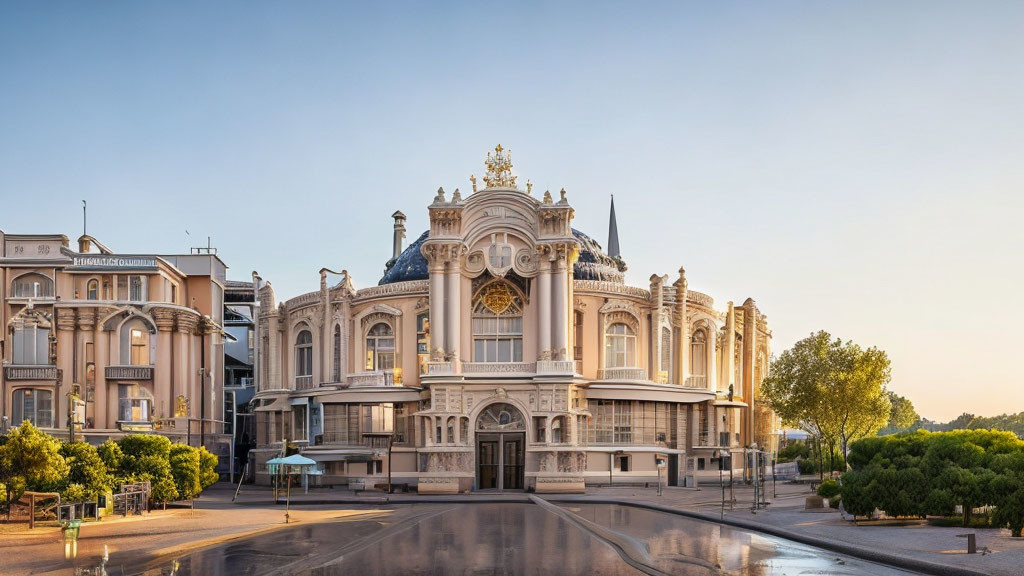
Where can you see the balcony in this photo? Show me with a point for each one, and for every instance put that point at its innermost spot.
(697, 381)
(372, 379)
(25, 372)
(303, 382)
(622, 374)
(129, 373)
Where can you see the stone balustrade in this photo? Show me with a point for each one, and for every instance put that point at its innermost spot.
(24, 372)
(697, 381)
(567, 367)
(303, 382)
(371, 379)
(622, 374)
(499, 368)
(129, 373)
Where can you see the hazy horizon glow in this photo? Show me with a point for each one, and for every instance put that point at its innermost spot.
(854, 168)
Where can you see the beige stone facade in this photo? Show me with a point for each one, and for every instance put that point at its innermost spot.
(503, 350)
(116, 340)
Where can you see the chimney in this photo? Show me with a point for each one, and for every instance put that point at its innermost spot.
(84, 244)
(399, 234)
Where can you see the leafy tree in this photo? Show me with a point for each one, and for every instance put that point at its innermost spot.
(87, 471)
(184, 461)
(30, 460)
(833, 389)
(208, 461)
(111, 455)
(147, 457)
(902, 414)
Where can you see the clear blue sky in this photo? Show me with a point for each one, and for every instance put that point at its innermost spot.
(854, 167)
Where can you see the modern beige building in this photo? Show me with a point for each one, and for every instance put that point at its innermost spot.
(120, 341)
(503, 350)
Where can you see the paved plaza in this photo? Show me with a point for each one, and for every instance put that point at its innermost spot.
(154, 538)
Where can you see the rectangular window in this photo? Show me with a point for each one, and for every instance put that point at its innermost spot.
(229, 412)
(137, 291)
(139, 347)
(375, 467)
(36, 406)
(132, 405)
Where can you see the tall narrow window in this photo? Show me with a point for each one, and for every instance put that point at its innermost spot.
(380, 347)
(31, 339)
(698, 353)
(134, 403)
(423, 340)
(137, 291)
(93, 290)
(304, 354)
(620, 347)
(497, 325)
(139, 347)
(336, 366)
(577, 325)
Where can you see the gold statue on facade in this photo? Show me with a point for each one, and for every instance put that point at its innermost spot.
(499, 169)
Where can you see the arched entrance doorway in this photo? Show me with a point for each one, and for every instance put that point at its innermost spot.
(500, 448)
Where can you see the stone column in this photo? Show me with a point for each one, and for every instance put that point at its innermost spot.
(100, 348)
(87, 324)
(186, 324)
(163, 391)
(655, 328)
(544, 305)
(747, 375)
(346, 311)
(712, 359)
(682, 349)
(437, 305)
(65, 324)
(453, 304)
(729, 349)
(273, 381)
(560, 306)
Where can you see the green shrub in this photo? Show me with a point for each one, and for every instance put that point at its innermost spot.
(184, 463)
(208, 467)
(793, 450)
(828, 489)
(834, 502)
(807, 467)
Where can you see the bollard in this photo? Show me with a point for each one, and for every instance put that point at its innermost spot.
(972, 545)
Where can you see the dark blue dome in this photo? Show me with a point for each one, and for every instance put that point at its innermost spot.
(410, 264)
(592, 264)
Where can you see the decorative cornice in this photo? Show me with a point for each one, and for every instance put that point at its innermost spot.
(411, 287)
(597, 286)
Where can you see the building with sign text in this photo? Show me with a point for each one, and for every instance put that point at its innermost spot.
(109, 343)
(503, 350)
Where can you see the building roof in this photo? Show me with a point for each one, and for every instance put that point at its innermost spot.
(592, 264)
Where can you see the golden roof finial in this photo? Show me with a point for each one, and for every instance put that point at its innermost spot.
(499, 169)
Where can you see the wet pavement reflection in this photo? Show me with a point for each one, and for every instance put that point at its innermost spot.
(508, 538)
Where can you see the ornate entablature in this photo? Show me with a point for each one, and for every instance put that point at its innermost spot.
(411, 287)
(298, 302)
(600, 288)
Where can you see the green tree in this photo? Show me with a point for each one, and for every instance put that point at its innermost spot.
(208, 462)
(146, 457)
(184, 461)
(902, 414)
(87, 471)
(833, 389)
(30, 460)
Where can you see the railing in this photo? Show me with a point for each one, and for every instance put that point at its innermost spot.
(24, 372)
(622, 374)
(303, 382)
(442, 368)
(697, 381)
(245, 382)
(499, 368)
(371, 379)
(129, 373)
(567, 367)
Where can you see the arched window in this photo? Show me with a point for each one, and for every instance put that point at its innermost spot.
(36, 406)
(497, 325)
(93, 290)
(336, 372)
(136, 343)
(31, 343)
(304, 354)
(32, 286)
(380, 347)
(619, 347)
(698, 353)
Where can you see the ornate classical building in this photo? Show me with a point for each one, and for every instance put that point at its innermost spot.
(111, 343)
(503, 350)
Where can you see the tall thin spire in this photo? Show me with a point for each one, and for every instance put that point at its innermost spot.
(613, 233)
